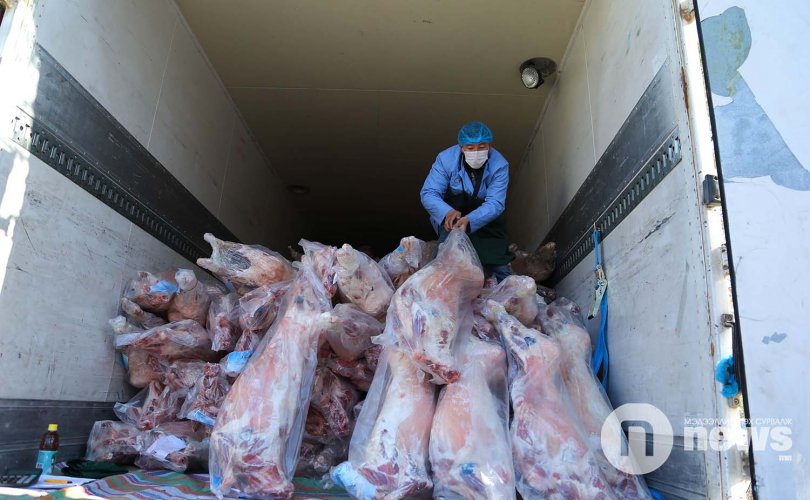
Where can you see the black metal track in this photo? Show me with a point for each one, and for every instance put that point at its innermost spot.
(72, 132)
(646, 148)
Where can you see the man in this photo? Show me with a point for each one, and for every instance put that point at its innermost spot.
(466, 189)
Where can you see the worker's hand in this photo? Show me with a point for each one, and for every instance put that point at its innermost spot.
(450, 219)
(462, 223)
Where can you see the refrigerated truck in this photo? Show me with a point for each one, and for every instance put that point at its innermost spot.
(675, 129)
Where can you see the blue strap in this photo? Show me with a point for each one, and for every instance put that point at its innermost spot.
(600, 360)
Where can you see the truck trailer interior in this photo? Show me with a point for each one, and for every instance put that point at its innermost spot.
(136, 127)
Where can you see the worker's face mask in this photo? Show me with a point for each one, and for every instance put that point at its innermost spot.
(476, 159)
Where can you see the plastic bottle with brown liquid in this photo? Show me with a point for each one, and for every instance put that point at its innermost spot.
(48, 447)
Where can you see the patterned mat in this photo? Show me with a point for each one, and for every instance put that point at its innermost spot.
(162, 485)
(159, 485)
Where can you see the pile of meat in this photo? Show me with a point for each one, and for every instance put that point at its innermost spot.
(394, 379)
(181, 337)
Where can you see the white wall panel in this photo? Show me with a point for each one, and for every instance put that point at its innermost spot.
(626, 45)
(194, 121)
(567, 130)
(65, 256)
(115, 49)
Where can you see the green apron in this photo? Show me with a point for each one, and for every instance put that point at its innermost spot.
(490, 241)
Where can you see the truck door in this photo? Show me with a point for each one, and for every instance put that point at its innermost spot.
(758, 69)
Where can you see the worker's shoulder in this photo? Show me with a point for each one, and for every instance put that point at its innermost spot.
(450, 155)
(496, 159)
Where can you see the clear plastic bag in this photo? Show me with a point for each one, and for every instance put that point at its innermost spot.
(316, 428)
(258, 308)
(175, 446)
(409, 257)
(255, 442)
(562, 320)
(315, 460)
(357, 371)
(334, 398)
(154, 405)
(137, 316)
(551, 454)
(223, 322)
(184, 339)
(182, 375)
(143, 367)
(152, 292)
(349, 330)
(470, 455)
(112, 441)
(323, 262)
(428, 311)
(249, 265)
(373, 356)
(362, 282)
(388, 454)
(205, 397)
(191, 301)
(518, 295)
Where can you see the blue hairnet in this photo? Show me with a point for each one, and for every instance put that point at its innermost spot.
(473, 133)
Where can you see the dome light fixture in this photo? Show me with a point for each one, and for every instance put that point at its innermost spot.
(534, 71)
(298, 189)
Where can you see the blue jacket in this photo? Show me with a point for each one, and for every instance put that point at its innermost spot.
(448, 172)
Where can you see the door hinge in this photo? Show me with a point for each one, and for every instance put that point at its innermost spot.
(727, 320)
(711, 190)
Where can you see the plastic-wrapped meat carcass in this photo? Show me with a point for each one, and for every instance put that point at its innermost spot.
(334, 398)
(255, 442)
(373, 356)
(258, 308)
(176, 446)
(316, 428)
(409, 257)
(152, 292)
(182, 375)
(518, 295)
(154, 405)
(388, 455)
(112, 441)
(249, 265)
(427, 312)
(550, 452)
(191, 301)
(563, 321)
(358, 371)
(349, 330)
(323, 259)
(362, 282)
(205, 397)
(470, 455)
(143, 367)
(184, 339)
(138, 316)
(223, 322)
(316, 459)
(483, 329)
(538, 264)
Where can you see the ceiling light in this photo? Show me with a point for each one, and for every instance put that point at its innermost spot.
(534, 71)
(298, 189)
